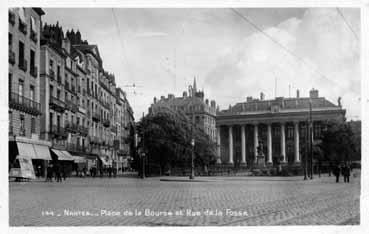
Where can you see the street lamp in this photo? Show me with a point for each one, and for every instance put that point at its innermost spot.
(192, 176)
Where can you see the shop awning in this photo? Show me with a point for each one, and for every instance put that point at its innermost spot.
(42, 152)
(104, 161)
(26, 150)
(62, 156)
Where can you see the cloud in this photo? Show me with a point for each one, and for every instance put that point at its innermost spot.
(330, 52)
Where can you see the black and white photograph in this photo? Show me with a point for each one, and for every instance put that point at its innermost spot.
(183, 116)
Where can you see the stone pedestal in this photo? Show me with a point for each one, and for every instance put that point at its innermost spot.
(260, 160)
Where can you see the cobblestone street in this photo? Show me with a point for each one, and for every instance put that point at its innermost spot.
(249, 200)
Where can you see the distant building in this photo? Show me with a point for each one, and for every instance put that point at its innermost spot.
(199, 110)
(279, 124)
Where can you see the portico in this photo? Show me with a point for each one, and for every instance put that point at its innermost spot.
(279, 125)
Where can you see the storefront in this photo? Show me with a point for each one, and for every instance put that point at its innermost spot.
(28, 158)
(64, 159)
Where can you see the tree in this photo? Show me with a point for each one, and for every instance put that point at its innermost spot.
(167, 139)
(339, 142)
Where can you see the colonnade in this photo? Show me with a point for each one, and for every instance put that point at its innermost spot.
(256, 143)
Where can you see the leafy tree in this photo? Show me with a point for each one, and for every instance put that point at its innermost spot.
(167, 139)
(339, 142)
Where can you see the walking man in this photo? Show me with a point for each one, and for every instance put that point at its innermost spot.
(337, 172)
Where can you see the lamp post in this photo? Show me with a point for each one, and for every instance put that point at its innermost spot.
(192, 176)
(306, 151)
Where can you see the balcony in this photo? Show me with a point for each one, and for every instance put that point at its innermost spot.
(83, 130)
(23, 65)
(70, 127)
(76, 147)
(71, 106)
(22, 27)
(105, 104)
(56, 104)
(95, 140)
(11, 57)
(11, 18)
(106, 123)
(24, 104)
(51, 74)
(33, 36)
(33, 71)
(96, 117)
(114, 129)
(73, 89)
(58, 132)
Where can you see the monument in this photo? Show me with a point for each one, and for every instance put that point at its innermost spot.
(260, 158)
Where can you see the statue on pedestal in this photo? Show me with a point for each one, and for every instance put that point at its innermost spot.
(260, 158)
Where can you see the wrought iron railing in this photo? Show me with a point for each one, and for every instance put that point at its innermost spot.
(24, 104)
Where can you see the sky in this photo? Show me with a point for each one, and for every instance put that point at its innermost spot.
(160, 51)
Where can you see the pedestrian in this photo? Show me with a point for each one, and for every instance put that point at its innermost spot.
(64, 173)
(84, 171)
(346, 173)
(337, 172)
(109, 171)
(57, 173)
(49, 174)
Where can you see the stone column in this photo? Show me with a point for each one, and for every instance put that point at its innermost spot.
(269, 140)
(283, 143)
(243, 145)
(256, 141)
(219, 161)
(297, 143)
(230, 134)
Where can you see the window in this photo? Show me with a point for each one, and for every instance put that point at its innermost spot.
(20, 87)
(51, 64)
(58, 121)
(10, 82)
(21, 53)
(33, 24)
(289, 132)
(51, 91)
(10, 121)
(58, 71)
(22, 126)
(32, 92)
(33, 125)
(10, 41)
(32, 59)
(51, 120)
(58, 94)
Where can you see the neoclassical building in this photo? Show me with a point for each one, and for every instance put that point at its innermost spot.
(280, 125)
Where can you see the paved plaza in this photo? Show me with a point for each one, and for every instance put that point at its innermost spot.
(209, 201)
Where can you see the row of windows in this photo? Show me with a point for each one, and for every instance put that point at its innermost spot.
(20, 89)
(22, 122)
(21, 54)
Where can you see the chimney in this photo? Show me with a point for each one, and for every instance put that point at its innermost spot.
(184, 94)
(154, 100)
(170, 96)
(207, 101)
(212, 103)
(66, 45)
(314, 93)
(262, 96)
(162, 98)
(298, 93)
(249, 99)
